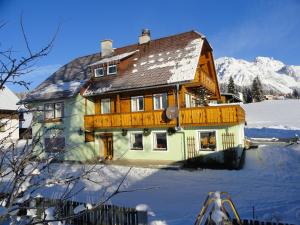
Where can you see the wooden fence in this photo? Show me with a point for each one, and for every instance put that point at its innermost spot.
(191, 148)
(228, 141)
(102, 215)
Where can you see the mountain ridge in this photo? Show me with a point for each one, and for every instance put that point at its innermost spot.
(274, 74)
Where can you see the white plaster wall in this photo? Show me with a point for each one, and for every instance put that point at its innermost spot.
(11, 133)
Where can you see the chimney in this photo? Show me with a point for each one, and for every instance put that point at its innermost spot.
(106, 48)
(145, 37)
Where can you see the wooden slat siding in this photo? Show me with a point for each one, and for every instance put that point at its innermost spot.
(191, 147)
(228, 141)
(198, 116)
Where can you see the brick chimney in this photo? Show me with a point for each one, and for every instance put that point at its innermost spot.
(106, 48)
(145, 37)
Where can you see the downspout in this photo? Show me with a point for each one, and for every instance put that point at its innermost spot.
(178, 128)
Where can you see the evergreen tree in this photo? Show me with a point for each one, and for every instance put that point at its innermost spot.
(202, 97)
(257, 90)
(247, 95)
(231, 86)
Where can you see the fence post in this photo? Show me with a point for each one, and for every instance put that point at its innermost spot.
(142, 218)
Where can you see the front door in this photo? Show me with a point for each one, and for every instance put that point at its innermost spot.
(106, 146)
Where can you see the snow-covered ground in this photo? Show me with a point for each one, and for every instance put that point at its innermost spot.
(273, 118)
(270, 182)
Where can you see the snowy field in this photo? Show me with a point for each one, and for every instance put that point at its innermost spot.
(273, 118)
(270, 182)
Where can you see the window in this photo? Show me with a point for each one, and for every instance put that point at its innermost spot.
(49, 111)
(58, 110)
(112, 69)
(105, 105)
(187, 100)
(99, 72)
(160, 141)
(89, 136)
(136, 141)
(137, 103)
(53, 110)
(54, 144)
(207, 140)
(160, 101)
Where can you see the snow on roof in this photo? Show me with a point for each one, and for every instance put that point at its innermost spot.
(113, 58)
(185, 68)
(60, 89)
(8, 100)
(97, 91)
(181, 68)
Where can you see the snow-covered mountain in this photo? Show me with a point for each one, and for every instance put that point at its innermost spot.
(274, 74)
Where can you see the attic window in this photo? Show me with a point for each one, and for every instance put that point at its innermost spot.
(112, 69)
(99, 72)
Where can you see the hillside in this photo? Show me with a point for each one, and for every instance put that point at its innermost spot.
(274, 74)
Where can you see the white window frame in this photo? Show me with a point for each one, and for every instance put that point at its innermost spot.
(101, 105)
(160, 101)
(187, 99)
(54, 110)
(136, 100)
(114, 65)
(131, 144)
(95, 71)
(198, 145)
(155, 141)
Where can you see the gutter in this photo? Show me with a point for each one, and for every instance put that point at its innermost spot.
(133, 89)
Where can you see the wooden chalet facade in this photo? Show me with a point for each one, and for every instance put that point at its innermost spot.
(144, 101)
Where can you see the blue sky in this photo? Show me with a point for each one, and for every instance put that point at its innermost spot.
(240, 29)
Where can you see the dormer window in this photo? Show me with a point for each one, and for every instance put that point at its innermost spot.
(112, 69)
(99, 72)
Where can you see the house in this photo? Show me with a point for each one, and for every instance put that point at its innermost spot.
(9, 116)
(139, 102)
(231, 98)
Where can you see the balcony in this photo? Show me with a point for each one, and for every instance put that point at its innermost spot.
(198, 116)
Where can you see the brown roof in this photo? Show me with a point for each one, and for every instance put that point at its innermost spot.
(162, 61)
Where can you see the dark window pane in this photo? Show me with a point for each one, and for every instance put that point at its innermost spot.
(112, 69)
(99, 72)
(141, 103)
(164, 101)
(137, 141)
(161, 140)
(56, 144)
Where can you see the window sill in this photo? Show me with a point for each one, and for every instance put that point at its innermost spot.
(137, 149)
(206, 150)
(54, 120)
(160, 149)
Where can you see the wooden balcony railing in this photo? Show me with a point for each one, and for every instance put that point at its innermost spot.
(198, 116)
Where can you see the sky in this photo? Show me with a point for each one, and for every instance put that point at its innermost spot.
(242, 29)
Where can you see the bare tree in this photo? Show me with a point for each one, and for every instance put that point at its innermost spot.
(24, 171)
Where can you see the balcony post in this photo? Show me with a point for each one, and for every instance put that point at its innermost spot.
(118, 104)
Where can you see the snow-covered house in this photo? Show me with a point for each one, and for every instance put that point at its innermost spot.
(138, 102)
(9, 116)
